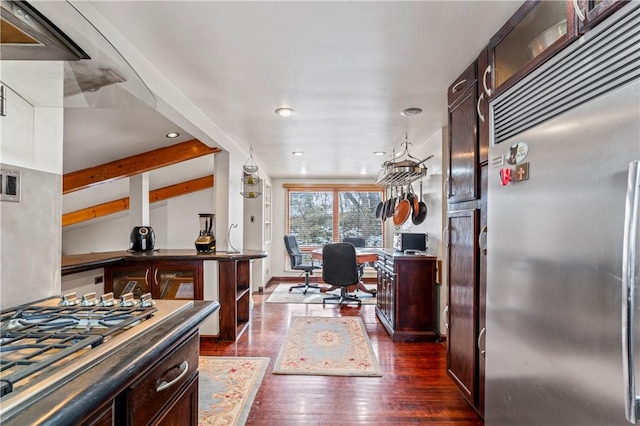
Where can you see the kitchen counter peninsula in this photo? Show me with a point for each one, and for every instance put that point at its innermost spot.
(109, 390)
(178, 274)
(74, 263)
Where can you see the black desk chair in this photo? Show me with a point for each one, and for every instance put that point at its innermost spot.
(340, 268)
(358, 243)
(297, 263)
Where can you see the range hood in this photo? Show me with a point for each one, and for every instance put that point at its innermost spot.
(25, 34)
(95, 73)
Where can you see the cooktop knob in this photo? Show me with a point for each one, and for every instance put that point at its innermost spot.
(69, 299)
(89, 299)
(107, 300)
(127, 300)
(146, 300)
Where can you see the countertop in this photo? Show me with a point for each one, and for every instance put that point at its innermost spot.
(83, 394)
(87, 261)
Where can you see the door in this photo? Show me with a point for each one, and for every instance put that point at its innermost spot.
(462, 230)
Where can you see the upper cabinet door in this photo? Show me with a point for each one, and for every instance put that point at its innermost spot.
(537, 31)
(591, 12)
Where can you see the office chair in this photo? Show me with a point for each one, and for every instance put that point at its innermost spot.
(340, 268)
(298, 264)
(357, 242)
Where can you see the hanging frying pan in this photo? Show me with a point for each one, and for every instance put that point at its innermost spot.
(415, 206)
(391, 205)
(422, 210)
(385, 207)
(402, 211)
(379, 207)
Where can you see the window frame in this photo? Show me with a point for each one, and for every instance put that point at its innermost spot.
(335, 188)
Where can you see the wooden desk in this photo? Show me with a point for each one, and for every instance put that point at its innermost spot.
(363, 255)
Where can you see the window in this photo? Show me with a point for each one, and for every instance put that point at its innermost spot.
(320, 214)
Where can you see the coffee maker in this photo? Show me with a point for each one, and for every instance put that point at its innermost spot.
(206, 241)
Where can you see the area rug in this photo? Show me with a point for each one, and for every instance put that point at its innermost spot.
(322, 346)
(281, 294)
(227, 388)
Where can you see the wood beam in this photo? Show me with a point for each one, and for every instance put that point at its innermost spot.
(135, 164)
(122, 204)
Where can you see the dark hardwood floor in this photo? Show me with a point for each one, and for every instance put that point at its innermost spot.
(414, 388)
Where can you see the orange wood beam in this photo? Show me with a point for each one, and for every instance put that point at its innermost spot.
(181, 189)
(136, 164)
(122, 204)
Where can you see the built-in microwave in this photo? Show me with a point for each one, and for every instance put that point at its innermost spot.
(409, 241)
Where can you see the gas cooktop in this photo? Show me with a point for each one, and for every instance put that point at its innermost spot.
(49, 341)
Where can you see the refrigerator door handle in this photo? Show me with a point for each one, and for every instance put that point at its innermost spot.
(632, 401)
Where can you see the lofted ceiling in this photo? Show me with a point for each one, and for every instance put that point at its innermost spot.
(348, 68)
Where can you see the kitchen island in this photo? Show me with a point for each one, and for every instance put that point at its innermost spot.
(157, 272)
(153, 377)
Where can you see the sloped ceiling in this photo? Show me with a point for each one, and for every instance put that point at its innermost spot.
(347, 68)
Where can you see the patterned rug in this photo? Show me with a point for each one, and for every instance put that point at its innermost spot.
(227, 388)
(281, 294)
(322, 346)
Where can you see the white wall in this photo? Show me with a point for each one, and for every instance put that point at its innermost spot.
(175, 224)
(31, 143)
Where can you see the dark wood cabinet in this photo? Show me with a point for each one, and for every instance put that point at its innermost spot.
(592, 12)
(163, 279)
(461, 229)
(159, 391)
(406, 296)
(463, 153)
(235, 297)
(536, 31)
(464, 319)
(104, 417)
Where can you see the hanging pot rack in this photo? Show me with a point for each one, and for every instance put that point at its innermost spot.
(403, 169)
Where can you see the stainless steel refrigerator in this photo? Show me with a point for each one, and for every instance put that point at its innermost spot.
(563, 295)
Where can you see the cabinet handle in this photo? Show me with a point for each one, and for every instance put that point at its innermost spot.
(454, 89)
(484, 80)
(482, 231)
(3, 101)
(445, 187)
(146, 277)
(629, 279)
(445, 315)
(445, 237)
(482, 333)
(576, 7)
(155, 277)
(184, 367)
(478, 107)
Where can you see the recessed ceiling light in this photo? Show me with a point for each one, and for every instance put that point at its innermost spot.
(379, 153)
(172, 135)
(297, 153)
(410, 112)
(363, 171)
(284, 112)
